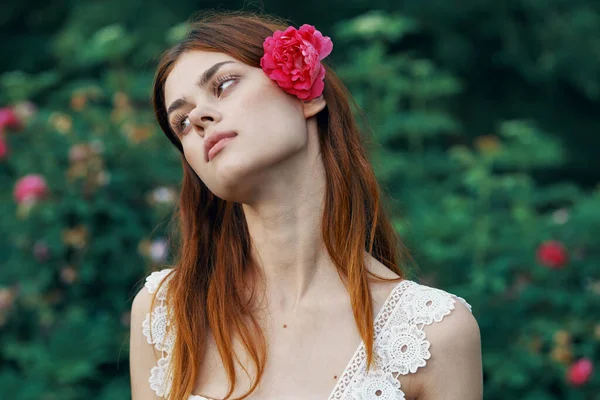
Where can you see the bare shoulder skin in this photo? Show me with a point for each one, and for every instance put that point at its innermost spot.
(454, 371)
(141, 354)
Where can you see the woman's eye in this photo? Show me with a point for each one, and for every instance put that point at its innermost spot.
(185, 122)
(224, 85)
(181, 123)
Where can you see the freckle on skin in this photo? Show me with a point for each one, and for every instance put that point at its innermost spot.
(335, 377)
(284, 325)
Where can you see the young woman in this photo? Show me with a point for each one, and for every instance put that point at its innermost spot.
(288, 282)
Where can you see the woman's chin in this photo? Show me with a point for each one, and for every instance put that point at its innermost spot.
(239, 177)
(231, 179)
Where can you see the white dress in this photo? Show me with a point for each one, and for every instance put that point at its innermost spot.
(399, 324)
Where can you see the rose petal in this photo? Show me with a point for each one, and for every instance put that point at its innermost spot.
(267, 62)
(292, 59)
(319, 85)
(325, 48)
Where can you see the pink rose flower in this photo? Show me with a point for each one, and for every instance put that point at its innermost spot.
(552, 254)
(293, 59)
(580, 372)
(9, 119)
(3, 148)
(30, 187)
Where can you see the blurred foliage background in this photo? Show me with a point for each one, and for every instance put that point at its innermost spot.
(486, 120)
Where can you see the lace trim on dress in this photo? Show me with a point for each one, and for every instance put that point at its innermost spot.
(400, 347)
(158, 330)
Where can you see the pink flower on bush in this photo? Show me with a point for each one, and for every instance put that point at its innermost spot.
(293, 59)
(3, 147)
(30, 187)
(580, 372)
(9, 119)
(552, 254)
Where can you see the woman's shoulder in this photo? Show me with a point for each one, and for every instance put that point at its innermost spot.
(152, 318)
(154, 326)
(410, 300)
(152, 288)
(450, 333)
(418, 326)
(156, 278)
(143, 299)
(427, 312)
(438, 329)
(441, 315)
(428, 304)
(420, 317)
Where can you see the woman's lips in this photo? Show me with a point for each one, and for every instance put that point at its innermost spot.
(218, 146)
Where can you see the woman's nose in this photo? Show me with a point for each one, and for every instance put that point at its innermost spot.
(204, 117)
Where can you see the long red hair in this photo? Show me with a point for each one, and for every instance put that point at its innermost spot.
(206, 290)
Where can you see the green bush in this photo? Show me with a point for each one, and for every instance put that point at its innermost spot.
(74, 258)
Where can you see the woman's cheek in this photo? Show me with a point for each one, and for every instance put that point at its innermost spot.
(262, 92)
(193, 150)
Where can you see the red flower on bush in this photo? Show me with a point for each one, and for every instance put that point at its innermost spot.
(580, 372)
(9, 119)
(552, 254)
(293, 59)
(30, 187)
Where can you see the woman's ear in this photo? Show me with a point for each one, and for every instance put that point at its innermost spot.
(314, 106)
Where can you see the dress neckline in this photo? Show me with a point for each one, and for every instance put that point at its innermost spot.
(359, 356)
(341, 385)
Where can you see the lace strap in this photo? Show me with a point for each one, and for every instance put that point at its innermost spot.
(358, 360)
(159, 332)
(401, 346)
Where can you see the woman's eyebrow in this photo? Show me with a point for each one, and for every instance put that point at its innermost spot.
(201, 82)
(205, 77)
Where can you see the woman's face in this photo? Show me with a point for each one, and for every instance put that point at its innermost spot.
(209, 94)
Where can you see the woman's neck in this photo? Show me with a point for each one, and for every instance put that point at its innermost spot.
(285, 229)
